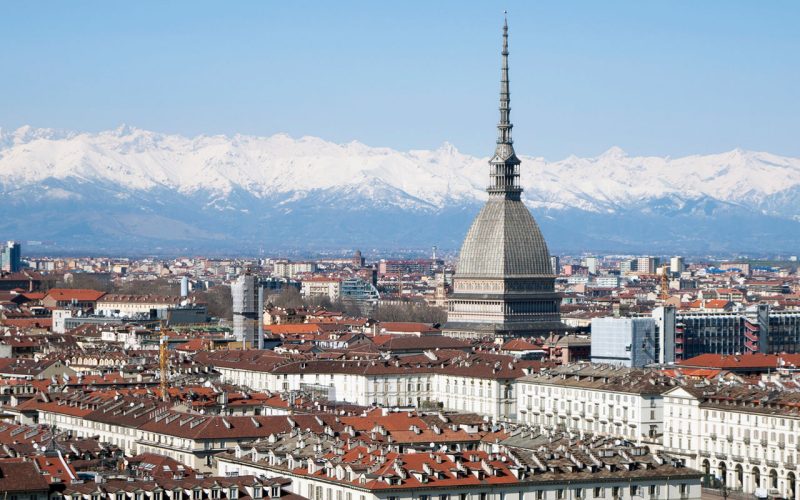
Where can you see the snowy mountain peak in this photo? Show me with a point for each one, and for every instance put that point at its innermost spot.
(248, 174)
(613, 152)
(26, 134)
(135, 159)
(124, 129)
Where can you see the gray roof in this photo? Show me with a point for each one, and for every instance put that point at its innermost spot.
(504, 241)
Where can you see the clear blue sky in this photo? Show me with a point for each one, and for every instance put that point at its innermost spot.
(662, 78)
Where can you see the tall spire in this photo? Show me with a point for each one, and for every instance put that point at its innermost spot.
(504, 127)
(504, 166)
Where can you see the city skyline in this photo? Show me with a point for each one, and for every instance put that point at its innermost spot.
(252, 316)
(658, 79)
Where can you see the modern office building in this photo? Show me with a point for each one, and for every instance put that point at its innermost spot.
(647, 265)
(288, 269)
(423, 267)
(361, 293)
(555, 264)
(630, 342)
(592, 264)
(685, 334)
(248, 303)
(627, 266)
(676, 265)
(10, 257)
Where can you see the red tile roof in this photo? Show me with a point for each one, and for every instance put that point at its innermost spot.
(406, 327)
(740, 362)
(79, 294)
(520, 345)
(21, 477)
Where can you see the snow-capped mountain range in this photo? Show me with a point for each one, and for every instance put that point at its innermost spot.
(132, 188)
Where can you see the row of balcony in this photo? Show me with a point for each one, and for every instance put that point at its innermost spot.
(788, 462)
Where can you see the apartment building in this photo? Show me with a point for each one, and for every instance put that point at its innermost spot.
(598, 399)
(483, 383)
(535, 466)
(745, 438)
(320, 286)
(140, 425)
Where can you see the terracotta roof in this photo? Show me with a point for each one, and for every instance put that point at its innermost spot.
(520, 345)
(32, 322)
(53, 467)
(231, 427)
(21, 477)
(140, 299)
(744, 361)
(79, 294)
(406, 327)
(294, 328)
(427, 342)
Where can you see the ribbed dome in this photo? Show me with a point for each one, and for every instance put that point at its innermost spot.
(504, 241)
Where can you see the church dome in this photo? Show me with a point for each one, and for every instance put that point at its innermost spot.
(504, 241)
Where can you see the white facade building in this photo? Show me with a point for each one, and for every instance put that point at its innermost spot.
(286, 269)
(597, 400)
(472, 384)
(322, 287)
(747, 439)
(322, 469)
(676, 265)
(630, 342)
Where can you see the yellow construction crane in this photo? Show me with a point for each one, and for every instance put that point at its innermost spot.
(664, 292)
(163, 364)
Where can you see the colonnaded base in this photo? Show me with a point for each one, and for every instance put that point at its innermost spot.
(473, 331)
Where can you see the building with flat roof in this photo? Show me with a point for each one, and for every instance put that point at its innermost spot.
(630, 342)
(11, 257)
